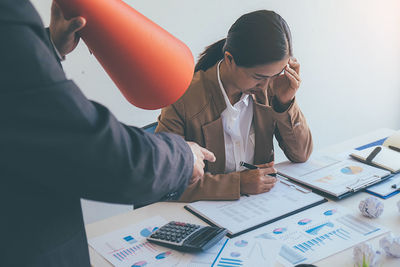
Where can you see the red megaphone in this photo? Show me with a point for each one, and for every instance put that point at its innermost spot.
(150, 67)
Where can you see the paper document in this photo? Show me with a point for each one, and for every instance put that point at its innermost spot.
(333, 176)
(305, 237)
(247, 212)
(128, 247)
(249, 252)
(386, 188)
(204, 258)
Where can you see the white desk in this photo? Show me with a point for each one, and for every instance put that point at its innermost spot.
(175, 211)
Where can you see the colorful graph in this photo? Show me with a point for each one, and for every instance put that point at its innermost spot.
(304, 221)
(140, 264)
(235, 254)
(130, 239)
(330, 212)
(321, 240)
(163, 255)
(315, 230)
(351, 170)
(291, 255)
(126, 253)
(325, 180)
(146, 232)
(279, 230)
(241, 243)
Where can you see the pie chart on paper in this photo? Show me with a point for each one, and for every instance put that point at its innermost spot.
(351, 170)
(139, 264)
(241, 243)
(279, 230)
(304, 221)
(146, 232)
(163, 255)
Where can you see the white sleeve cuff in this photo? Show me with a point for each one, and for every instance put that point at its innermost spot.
(55, 49)
(194, 157)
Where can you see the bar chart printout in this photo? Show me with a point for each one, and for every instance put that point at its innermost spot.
(128, 246)
(306, 237)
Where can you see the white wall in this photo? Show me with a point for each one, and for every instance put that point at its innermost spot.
(349, 52)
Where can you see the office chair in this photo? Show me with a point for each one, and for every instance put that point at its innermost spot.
(150, 128)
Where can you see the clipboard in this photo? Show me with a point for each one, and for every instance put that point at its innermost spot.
(363, 187)
(385, 189)
(251, 212)
(332, 177)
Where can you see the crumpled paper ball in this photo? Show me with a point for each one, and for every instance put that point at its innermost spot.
(391, 245)
(371, 207)
(365, 253)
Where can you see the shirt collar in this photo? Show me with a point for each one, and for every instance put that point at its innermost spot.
(244, 98)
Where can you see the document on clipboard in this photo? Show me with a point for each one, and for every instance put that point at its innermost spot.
(335, 178)
(251, 212)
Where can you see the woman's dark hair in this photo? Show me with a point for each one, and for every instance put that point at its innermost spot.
(256, 38)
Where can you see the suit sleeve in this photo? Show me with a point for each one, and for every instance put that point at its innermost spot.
(54, 139)
(293, 133)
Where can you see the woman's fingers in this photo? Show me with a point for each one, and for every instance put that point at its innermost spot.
(294, 83)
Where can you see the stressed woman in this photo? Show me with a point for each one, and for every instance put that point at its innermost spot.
(241, 96)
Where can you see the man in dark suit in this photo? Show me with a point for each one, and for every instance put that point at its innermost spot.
(57, 147)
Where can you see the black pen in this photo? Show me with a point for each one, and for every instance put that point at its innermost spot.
(253, 167)
(373, 154)
(394, 148)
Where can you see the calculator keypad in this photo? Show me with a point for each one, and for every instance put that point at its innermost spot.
(175, 232)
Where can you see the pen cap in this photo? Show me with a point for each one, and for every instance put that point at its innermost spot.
(151, 67)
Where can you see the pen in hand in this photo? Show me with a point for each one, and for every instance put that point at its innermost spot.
(253, 167)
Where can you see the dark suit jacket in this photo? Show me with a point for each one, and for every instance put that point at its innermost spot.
(57, 147)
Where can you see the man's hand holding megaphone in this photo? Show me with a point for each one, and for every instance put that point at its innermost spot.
(64, 32)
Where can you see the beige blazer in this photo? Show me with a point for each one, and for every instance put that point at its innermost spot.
(197, 117)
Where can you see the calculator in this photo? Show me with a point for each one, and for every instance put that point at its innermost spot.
(186, 236)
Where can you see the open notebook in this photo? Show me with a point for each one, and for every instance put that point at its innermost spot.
(251, 212)
(386, 156)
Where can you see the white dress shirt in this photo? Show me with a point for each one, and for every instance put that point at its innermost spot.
(237, 121)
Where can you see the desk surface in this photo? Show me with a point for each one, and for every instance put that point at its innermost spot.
(175, 211)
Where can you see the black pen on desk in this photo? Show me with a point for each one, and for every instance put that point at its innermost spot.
(394, 148)
(373, 154)
(253, 167)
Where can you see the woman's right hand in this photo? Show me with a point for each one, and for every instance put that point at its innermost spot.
(257, 181)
